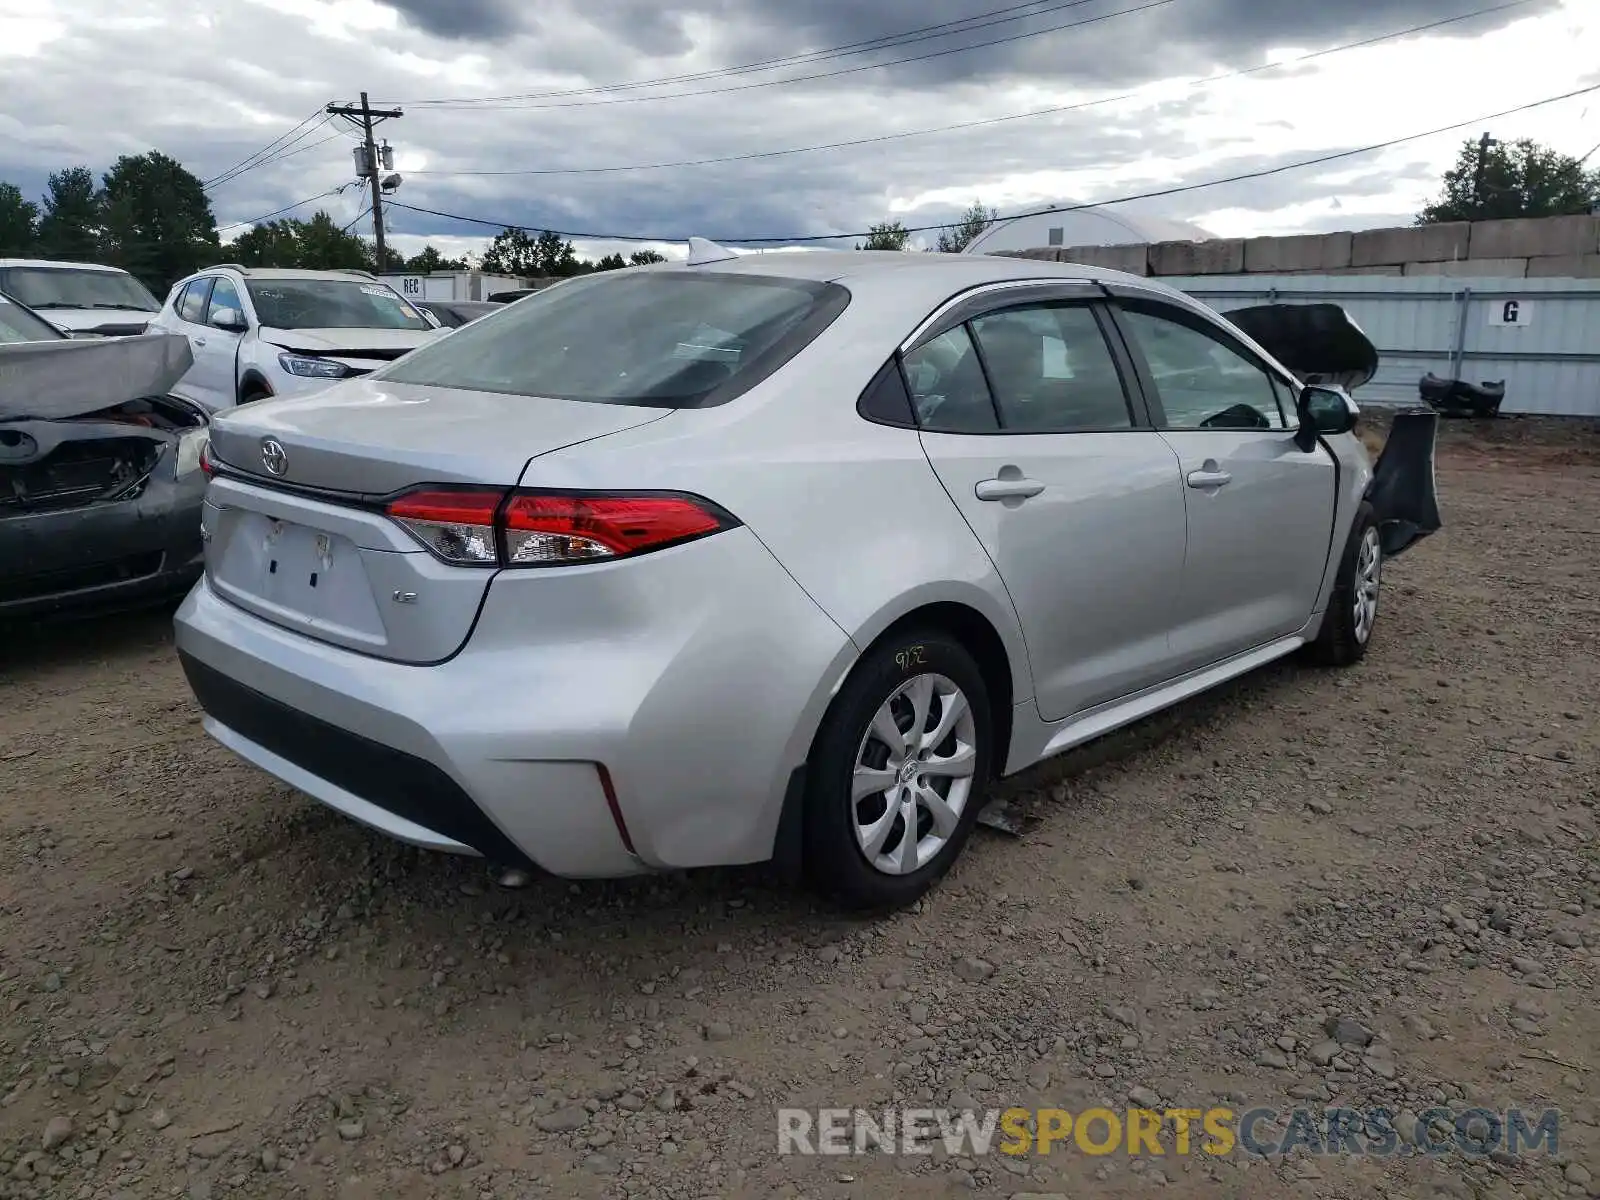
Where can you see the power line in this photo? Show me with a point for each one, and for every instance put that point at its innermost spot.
(286, 208)
(981, 20)
(986, 121)
(1057, 208)
(875, 66)
(287, 150)
(244, 164)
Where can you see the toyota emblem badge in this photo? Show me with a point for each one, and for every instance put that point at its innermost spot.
(273, 456)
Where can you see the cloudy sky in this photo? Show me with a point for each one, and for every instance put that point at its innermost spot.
(514, 113)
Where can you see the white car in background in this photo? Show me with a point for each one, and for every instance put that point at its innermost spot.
(80, 299)
(265, 331)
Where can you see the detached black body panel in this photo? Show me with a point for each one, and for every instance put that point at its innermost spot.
(1402, 491)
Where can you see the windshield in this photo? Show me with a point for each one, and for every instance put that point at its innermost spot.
(66, 287)
(332, 304)
(666, 339)
(17, 324)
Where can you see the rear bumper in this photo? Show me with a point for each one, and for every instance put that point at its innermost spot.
(103, 557)
(698, 692)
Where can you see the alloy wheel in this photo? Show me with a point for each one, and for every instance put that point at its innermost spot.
(1369, 574)
(913, 774)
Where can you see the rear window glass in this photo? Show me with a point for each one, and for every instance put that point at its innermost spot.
(664, 339)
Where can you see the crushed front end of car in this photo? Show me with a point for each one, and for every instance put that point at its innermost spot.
(100, 478)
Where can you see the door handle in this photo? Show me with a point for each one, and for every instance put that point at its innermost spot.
(1209, 479)
(199, 341)
(1007, 489)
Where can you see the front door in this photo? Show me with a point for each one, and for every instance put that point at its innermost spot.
(1259, 509)
(1027, 422)
(216, 351)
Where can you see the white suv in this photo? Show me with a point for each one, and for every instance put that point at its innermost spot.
(80, 299)
(266, 331)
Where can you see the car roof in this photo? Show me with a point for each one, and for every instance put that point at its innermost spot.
(59, 265)
(917, 271)
(285, 272)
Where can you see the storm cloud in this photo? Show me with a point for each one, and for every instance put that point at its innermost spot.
(213, 84)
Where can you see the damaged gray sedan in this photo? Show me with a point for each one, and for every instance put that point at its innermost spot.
(101, 483)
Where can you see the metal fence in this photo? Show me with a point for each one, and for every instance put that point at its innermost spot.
(1541, 336)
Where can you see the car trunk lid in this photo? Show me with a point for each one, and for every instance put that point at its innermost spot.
(308, 546)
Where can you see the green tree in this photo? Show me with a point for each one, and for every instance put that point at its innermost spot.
(430, 260)
(318, 243)
(511, 253)
(158, 221)
(611, 262)
(19, 223)
(270, 244)
(69, 221)
(966, 230)
(1518, 179)
(555, 257)
(886, 235)
(643, 258)
(325, 245)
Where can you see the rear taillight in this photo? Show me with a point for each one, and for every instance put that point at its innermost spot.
(471, 527)
(457, 525)
(206, 464)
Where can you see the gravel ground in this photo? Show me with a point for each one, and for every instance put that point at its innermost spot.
(210, 986)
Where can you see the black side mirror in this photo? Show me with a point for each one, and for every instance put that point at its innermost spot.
(1324, 412)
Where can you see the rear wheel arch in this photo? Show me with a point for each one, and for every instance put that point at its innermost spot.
(978, 636)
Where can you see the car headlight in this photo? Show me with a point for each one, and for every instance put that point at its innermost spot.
(190, 446)
(312, 368)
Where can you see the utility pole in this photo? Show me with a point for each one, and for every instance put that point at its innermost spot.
(1485, 144)
(368, 161)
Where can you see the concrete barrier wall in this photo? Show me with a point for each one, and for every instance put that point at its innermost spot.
(1537, 248)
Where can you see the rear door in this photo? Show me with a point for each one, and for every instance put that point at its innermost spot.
(1259, 509)
(1026, 417)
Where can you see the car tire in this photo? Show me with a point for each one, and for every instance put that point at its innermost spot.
(857, 848)
(1348, 624)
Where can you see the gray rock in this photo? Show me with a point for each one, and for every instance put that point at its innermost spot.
(1321, 807)
(563, 1120)
(1526, 1025)
(600, 1164)
(1323, 1053)
(1568, 938)
(57, 1132)
(961, 1102)
(352, 1131)
(1578, 1174)
(718, 1031)
(974, 970)
(160, 1119)
(268, 1159)
(1272, 1058)
(667, 1101)
(1526, 965)
(1347, 1031)
(1419, 1027)
(1039, 1076)
(1527, 1006)
(1143, 1097)
(979, 1082)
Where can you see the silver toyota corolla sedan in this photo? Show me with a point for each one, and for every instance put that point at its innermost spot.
(775, 557)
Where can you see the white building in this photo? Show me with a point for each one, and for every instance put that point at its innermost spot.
(1083, 227)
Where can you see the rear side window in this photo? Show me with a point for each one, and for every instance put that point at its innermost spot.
(662, 339)
(947, 386)
(1051, 371)
(192, 304)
